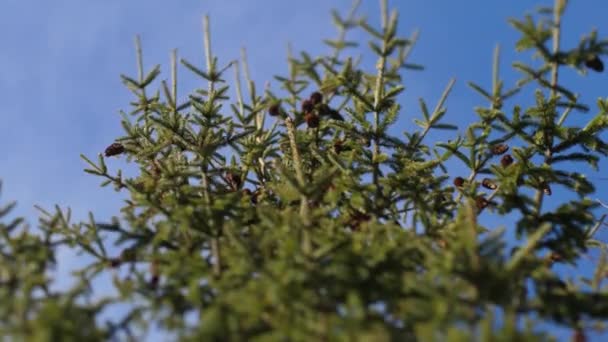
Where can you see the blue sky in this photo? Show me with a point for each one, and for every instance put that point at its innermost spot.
(60, 63)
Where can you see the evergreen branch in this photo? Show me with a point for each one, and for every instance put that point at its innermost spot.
(378, 93)
(549, 120)
(434, 117)
(526, 250)
(174, 78)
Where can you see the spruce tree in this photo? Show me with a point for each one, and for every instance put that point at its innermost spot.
(293, 213)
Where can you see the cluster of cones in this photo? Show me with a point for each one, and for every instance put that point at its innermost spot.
(313, 109)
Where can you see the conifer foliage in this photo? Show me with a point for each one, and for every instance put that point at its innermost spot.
(293, 214)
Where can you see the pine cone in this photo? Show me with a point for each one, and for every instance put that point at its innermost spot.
(274, 109)
(311, 119)
(114, 149)
(506, 160)
(307, 106)
(316, 98)
(595, 63)
(458, 182)
(233, 180)
(499, 149)
(488, 184)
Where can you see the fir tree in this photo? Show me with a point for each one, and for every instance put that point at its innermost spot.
(293, 213)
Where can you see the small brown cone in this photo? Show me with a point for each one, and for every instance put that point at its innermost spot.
(274, 109)
(499, 149)
(307, 106)
(312, 120)
(506, 160)
(458, 182)
(488, 184)
(595, 63)
(481, 202)
(316, 98)
(114, 150)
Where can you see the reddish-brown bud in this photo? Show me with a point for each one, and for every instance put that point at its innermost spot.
(595, 63)
(506, 160)
(316, 98)
(311, 119)
(307, 106)
(481, 202)
(488, 184)
(114, 149)
(274, 109)
(458, 182)
(499, 149)
(338, 146)
(233, 180)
